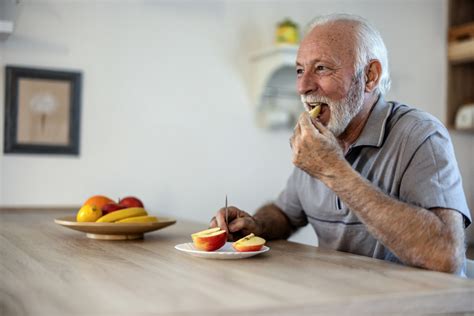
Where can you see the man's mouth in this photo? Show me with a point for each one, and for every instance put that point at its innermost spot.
(312, 105)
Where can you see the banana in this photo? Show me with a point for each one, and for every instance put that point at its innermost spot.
(315, 112)
(139, 219)
(122, 214)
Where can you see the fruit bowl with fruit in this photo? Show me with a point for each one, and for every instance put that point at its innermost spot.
(102, 218)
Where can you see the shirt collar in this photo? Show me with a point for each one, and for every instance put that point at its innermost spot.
(374, 130)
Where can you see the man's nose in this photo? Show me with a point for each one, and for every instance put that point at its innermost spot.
(307, 84)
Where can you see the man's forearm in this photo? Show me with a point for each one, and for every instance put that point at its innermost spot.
(415, 235)
(273, 222)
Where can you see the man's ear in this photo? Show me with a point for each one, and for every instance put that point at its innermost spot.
(373, 73)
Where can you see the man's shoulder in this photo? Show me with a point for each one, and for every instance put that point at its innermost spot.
(408, 120)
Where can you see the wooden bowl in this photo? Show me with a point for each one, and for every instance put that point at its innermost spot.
(114, 231)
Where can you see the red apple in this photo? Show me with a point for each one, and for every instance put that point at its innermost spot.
(111, 207)
(209, 239)
(131, 201)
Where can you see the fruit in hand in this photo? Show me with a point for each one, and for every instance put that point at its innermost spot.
(122, 214)
(98, 200)
(249, 243)
(88, 213)
(111, 207)
(209, 239)
(315, 112)
(131, 201)
(139, 219)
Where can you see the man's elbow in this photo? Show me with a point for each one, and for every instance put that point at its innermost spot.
(449, 261)
(448, 253)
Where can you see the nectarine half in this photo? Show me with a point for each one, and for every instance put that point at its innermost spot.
(249, 243)
(209, 239)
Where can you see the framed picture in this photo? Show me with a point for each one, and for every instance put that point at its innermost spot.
(42, 111)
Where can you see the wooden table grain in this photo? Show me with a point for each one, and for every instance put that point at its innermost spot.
(46, 269)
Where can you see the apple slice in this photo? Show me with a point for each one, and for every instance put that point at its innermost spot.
(249, 243)
(209, 239)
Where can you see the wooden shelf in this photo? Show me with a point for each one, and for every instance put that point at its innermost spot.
(461, 130)
(460, 60)
(461, 32)
(461, 51)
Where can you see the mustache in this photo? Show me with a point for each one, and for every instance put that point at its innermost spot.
(311, 98)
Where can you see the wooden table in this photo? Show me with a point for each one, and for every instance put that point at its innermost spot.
(46, 269)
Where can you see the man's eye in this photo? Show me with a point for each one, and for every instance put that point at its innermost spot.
(299, 71)
(321, 68)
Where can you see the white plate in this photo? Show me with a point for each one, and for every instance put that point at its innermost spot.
(225, 252)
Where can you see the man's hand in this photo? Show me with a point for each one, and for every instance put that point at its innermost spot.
(240, 223)
(315, 149)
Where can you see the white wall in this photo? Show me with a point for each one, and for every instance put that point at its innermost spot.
(166, 114)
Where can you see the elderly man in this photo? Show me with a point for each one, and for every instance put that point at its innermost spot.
(373, 178)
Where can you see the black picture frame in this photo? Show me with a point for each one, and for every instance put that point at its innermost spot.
(67, 84)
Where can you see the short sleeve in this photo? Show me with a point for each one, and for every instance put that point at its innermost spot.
(289, 202)
(432, 178)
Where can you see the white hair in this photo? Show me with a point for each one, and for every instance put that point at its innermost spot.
(370, 44)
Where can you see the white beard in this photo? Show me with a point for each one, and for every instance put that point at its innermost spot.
(343, 111)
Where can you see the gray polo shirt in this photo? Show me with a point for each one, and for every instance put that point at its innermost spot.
(405, 152)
